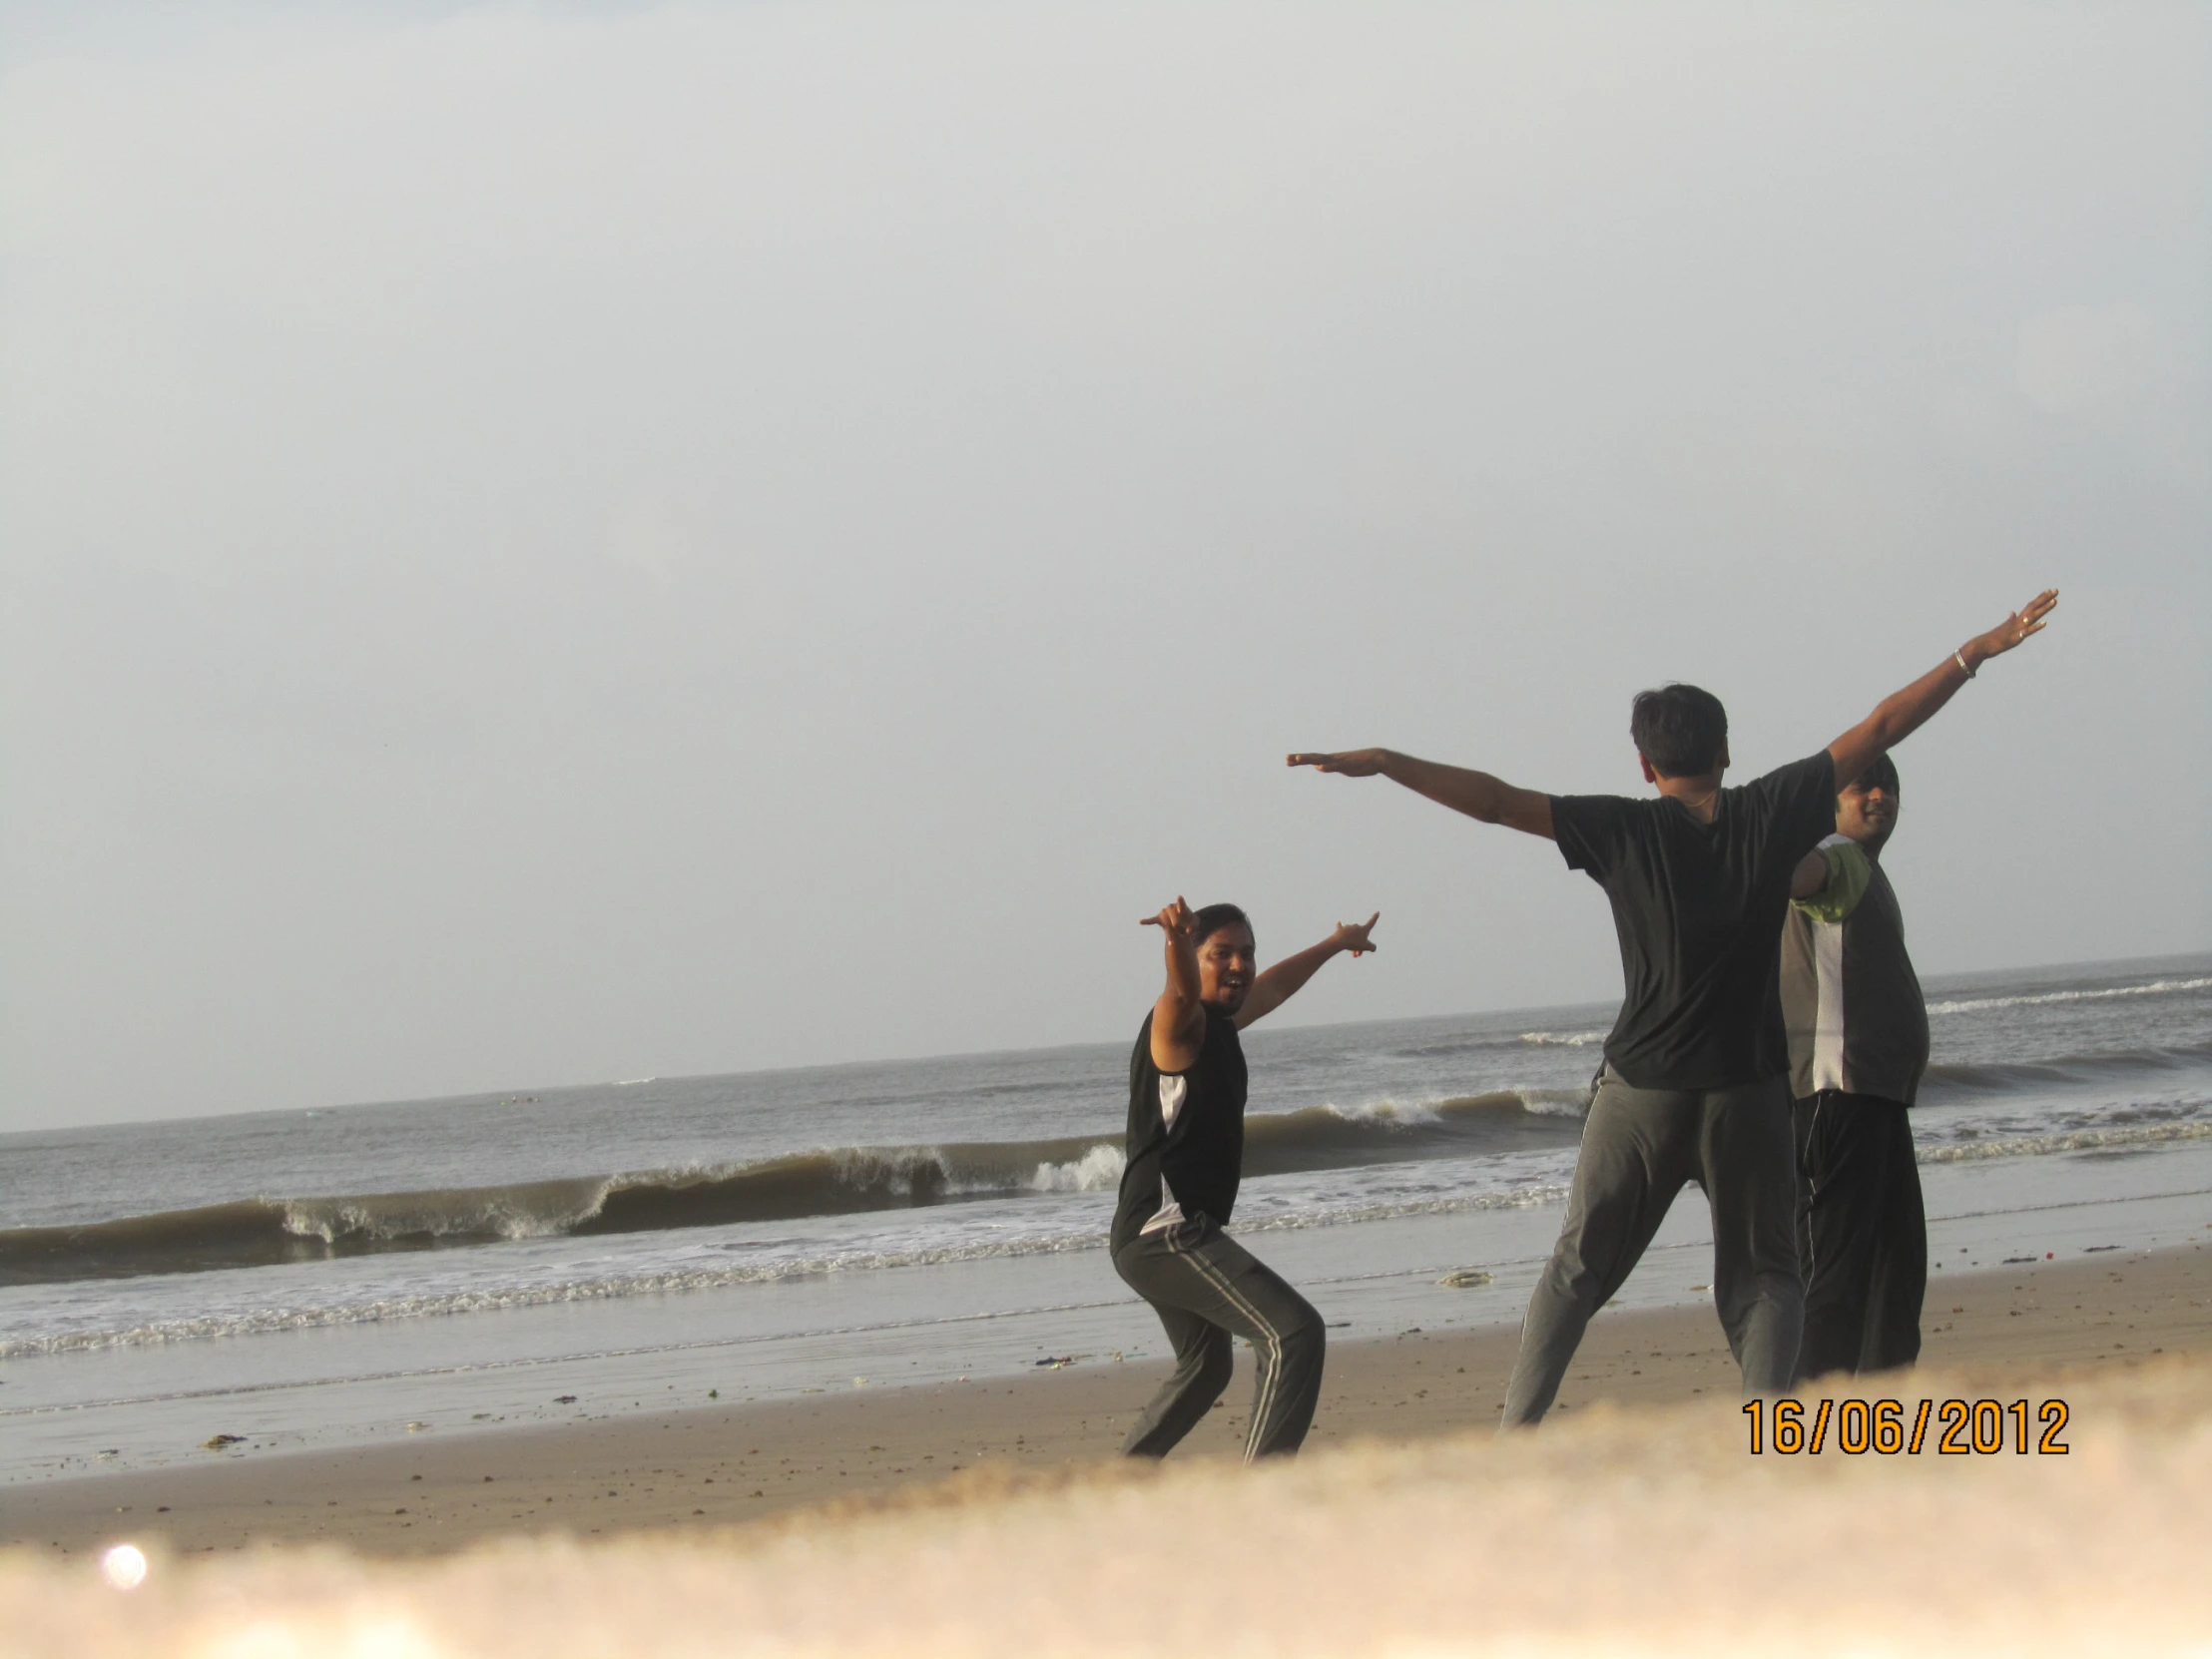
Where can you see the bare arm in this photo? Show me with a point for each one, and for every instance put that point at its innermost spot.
(1900, 713)
(1179, 1017)
(1476, 793)
(1277, 984)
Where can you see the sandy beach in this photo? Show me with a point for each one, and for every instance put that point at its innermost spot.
(1626, 1524)
(709, 1467)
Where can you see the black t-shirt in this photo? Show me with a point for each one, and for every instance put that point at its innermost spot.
(1699, 909)
(1200, 1159)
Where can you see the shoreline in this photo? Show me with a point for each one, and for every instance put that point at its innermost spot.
(719, 1465)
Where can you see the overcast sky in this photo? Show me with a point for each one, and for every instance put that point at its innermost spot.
(551, 543)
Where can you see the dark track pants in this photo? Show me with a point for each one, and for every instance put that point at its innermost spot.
(1640, 1147)
(1207, 1288)
(1861, 1234)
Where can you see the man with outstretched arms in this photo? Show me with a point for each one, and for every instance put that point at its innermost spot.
(1694, 1086)
(1186, 1155)
(1858, 1032)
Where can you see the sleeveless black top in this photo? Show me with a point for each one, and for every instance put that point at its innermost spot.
(1202, 1154)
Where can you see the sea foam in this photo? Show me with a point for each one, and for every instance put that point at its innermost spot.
(2097, 994)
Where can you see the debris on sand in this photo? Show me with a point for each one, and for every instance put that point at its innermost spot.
(1465, 1279)
(217, 1442)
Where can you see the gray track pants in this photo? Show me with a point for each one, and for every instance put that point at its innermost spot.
(1207, 1288)
(1640, 1147)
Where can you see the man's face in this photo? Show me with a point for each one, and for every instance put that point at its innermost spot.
(1867, 812)
(1226, 960)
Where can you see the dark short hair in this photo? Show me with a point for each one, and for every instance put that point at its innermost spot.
(1213, 919)
(1681, 730)
(1882, 775)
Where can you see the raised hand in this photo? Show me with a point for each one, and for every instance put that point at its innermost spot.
(1900, 713)
(2029, 619)
(1352, 935)
(1352, 763)
(1175, 919)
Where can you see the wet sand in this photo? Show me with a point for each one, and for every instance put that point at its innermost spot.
(714, 1466)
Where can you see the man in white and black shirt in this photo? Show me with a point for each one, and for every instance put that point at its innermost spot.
(1858, 1032)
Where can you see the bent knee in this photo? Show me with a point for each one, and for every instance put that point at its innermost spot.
(1306, 1335)
(1214, 1373)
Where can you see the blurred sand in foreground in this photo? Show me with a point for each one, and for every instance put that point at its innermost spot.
(1648, 1529)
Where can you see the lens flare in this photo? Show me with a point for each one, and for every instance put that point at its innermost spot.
(124, 1566)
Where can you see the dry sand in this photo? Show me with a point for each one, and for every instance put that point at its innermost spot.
(713, 1468)
(1645, 1528)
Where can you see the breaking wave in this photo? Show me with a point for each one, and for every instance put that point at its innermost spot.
(602, 1287)
(1540, 1182)
(2072, 1140)
(1991, 1075)
(269, 1232)
(2158, 987)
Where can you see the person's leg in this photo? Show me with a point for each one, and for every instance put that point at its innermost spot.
(1196, 1268)
(1638, 1148)
(1203, 1363)
(1286, 1334)
(1898, 1280)
(1840, 1176)
(1750, 1177)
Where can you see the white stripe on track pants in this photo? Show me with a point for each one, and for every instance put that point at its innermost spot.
(1207, 1288)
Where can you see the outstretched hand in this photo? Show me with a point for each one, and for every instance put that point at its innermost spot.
(1900, 713)
(1352, 763)
(1352, 935)
(1175, 920)
(2029, 619)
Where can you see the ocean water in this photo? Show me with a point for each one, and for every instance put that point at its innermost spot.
(900, 1207)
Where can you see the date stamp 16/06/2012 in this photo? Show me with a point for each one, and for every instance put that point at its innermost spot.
(1949, 1429)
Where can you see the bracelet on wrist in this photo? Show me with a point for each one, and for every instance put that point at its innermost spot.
(1964, 667)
